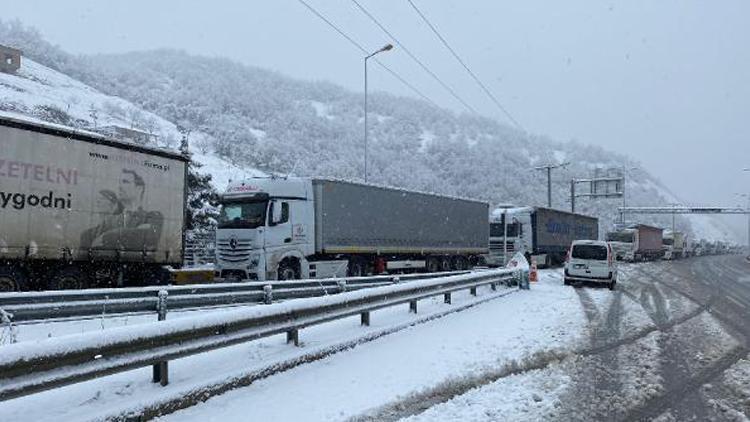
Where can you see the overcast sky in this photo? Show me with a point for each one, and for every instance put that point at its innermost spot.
(667, 82)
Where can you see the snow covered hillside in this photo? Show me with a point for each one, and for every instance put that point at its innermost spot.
(241, 117)
(37, 92)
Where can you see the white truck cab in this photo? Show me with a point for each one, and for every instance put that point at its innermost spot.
(262, 222)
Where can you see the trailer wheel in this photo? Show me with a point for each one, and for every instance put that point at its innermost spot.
(433, 264)
(68, 278)
(11, 279)
(460, 263)
(445, 264)
(356, 268)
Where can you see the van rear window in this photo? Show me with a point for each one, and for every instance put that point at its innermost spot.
(594, 252)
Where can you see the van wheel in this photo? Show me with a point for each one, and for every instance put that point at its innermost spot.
(68, 278)
(612, 285)
(11, 279)
(566, 282)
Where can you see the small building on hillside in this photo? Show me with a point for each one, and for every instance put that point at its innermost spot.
(128, 134)
(10, 59)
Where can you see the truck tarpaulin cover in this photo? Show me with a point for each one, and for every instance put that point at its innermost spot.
(557, 229)
(74, 199)
(354, 217)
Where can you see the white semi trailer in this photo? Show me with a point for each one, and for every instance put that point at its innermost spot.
(291, 228)
(79, 209)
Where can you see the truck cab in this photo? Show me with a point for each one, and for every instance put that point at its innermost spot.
(623, 242)
(510, 232)
(265, 223)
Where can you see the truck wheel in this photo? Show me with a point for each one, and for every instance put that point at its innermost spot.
(433, 264)
(445, 264)
(11, 279)
(288, 271)
(68, 278)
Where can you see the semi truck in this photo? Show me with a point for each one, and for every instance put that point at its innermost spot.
(544, 233)
(80, 210)
(637, 242)
(277, 228)
(674, 245)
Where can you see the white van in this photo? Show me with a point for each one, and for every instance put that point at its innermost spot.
(591, 261)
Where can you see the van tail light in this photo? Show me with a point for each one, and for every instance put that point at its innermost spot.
(609, 256)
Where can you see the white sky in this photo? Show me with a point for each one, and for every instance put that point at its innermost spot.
(667, 82)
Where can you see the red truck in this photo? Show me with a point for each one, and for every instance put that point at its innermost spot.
(637, 242)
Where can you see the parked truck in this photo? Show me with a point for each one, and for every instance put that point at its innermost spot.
(78, 209)
(291, 228)
(544, 233)
(674, 245)
(638, 242)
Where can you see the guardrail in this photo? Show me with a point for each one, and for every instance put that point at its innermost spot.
(27, 368)
(30, 306)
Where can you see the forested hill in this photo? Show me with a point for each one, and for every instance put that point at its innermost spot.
(262, 119)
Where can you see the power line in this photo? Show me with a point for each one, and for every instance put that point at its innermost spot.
(478, 81)
(413, 57)
(359, 46)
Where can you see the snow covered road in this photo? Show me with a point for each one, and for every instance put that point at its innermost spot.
(670, 344)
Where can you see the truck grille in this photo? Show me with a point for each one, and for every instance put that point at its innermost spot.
(240, 253)
(498, 246)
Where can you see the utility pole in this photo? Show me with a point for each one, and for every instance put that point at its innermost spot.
(549, 168)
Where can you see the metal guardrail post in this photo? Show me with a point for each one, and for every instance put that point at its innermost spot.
(268, 294)
(365, 319)
(413, 306)
(342, 286)
(493, 286)
(473, 291)
(447, 298)
(161, 369)
(292, 336)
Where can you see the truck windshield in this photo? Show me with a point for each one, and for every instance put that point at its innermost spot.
(242, 214)
(620, 237)
(667, 241)
(593, 252)
(496, 230)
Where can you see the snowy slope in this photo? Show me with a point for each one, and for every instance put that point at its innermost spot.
(39, 93)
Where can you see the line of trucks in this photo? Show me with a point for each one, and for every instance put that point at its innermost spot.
(81, 210)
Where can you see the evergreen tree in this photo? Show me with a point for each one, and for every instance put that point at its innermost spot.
(202, 200)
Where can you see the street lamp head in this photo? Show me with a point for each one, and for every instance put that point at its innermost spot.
(385, 48)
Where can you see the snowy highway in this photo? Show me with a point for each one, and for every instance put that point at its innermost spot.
(670, 343)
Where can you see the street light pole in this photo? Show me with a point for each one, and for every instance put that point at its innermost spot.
(384, 48)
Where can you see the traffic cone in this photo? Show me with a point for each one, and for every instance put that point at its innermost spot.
(532, 273)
